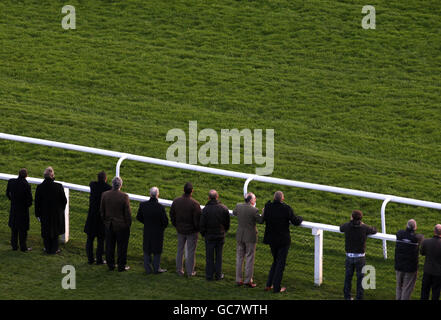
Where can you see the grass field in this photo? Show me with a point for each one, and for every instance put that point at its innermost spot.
(350, 107)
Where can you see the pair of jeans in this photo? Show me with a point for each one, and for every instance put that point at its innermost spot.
(213, 257)
(19, 235)
(430, 282)
(119, 239)
(276, 272)
(99, 248)
(351, 265)
(51, 245)
(149, 262)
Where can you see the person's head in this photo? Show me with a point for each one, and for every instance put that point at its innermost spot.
(154, 192)
(213, 195)
(411, 224)
(23, 173)
(49, 173)
(278, 196)
(250, 198)
(437, 230)
(102, 177)
(188, 188)
(357, 215)
(116, 183)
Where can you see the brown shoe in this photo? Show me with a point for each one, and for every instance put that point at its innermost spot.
(268, 288)
(239, 284)
(250, 285)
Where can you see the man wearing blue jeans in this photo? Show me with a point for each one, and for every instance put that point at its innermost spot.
(356, 233)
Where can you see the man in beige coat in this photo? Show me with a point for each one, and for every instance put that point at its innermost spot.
(246, 236)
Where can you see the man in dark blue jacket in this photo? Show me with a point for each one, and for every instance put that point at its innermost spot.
(214, 223)
(277, 216)
(406, 260)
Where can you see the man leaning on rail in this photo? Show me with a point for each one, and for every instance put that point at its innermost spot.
(356, 233)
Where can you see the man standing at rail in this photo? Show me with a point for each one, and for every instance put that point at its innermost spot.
(185, 213)
(19, 193)
(117, 218)
(50, 202)
(431, 249)
(277, 216)
(246, 239)
(356, 233)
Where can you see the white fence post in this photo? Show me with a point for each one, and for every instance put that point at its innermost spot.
(65, 236)
(383, 225)
(318, 256)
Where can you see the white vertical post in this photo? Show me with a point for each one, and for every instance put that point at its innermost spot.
(118, 165)
(245, 186)
(383, 225)
(65, 236)
(318, 256)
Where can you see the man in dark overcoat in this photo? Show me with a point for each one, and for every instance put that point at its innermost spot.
(50, 202)
(19, 193)
(94, 227)
(152, 214)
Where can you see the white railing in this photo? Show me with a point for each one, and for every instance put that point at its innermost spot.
(317, 228)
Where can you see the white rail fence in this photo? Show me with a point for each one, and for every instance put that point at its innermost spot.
(317, 228)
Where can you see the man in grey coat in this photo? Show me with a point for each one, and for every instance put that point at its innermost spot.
(246, 237)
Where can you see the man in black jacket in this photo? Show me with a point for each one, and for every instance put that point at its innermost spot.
(431, 248)
(50, 202)
(407, 250)
(277, 215)
(152, 214)
(19, 193)
(94, 227)
(215, 222)
(356, 233)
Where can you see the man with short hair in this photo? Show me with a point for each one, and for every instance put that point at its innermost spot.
(152, 214)
(117, 218)
(215, 222)
(407, 249)
(19, 193)
(50, 202)
(277, 216)
(94, 227)
(185, 213)
(246, 239)
(431, 249)
(356, 233)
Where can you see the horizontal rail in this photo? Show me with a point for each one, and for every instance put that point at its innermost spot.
(168, 203)
(227, 173)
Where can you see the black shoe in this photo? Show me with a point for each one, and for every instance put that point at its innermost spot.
(124, 269)
(221, 277)
(101, 262)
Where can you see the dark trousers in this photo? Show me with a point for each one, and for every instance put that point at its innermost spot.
(51, 245)
(99, 248)
(430, 282)
(19, 235)
(276, 272)
(351, 265)
(120, 240)
(213, 258)
(149, 262)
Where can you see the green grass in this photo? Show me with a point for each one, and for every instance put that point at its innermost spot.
(350, 107)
